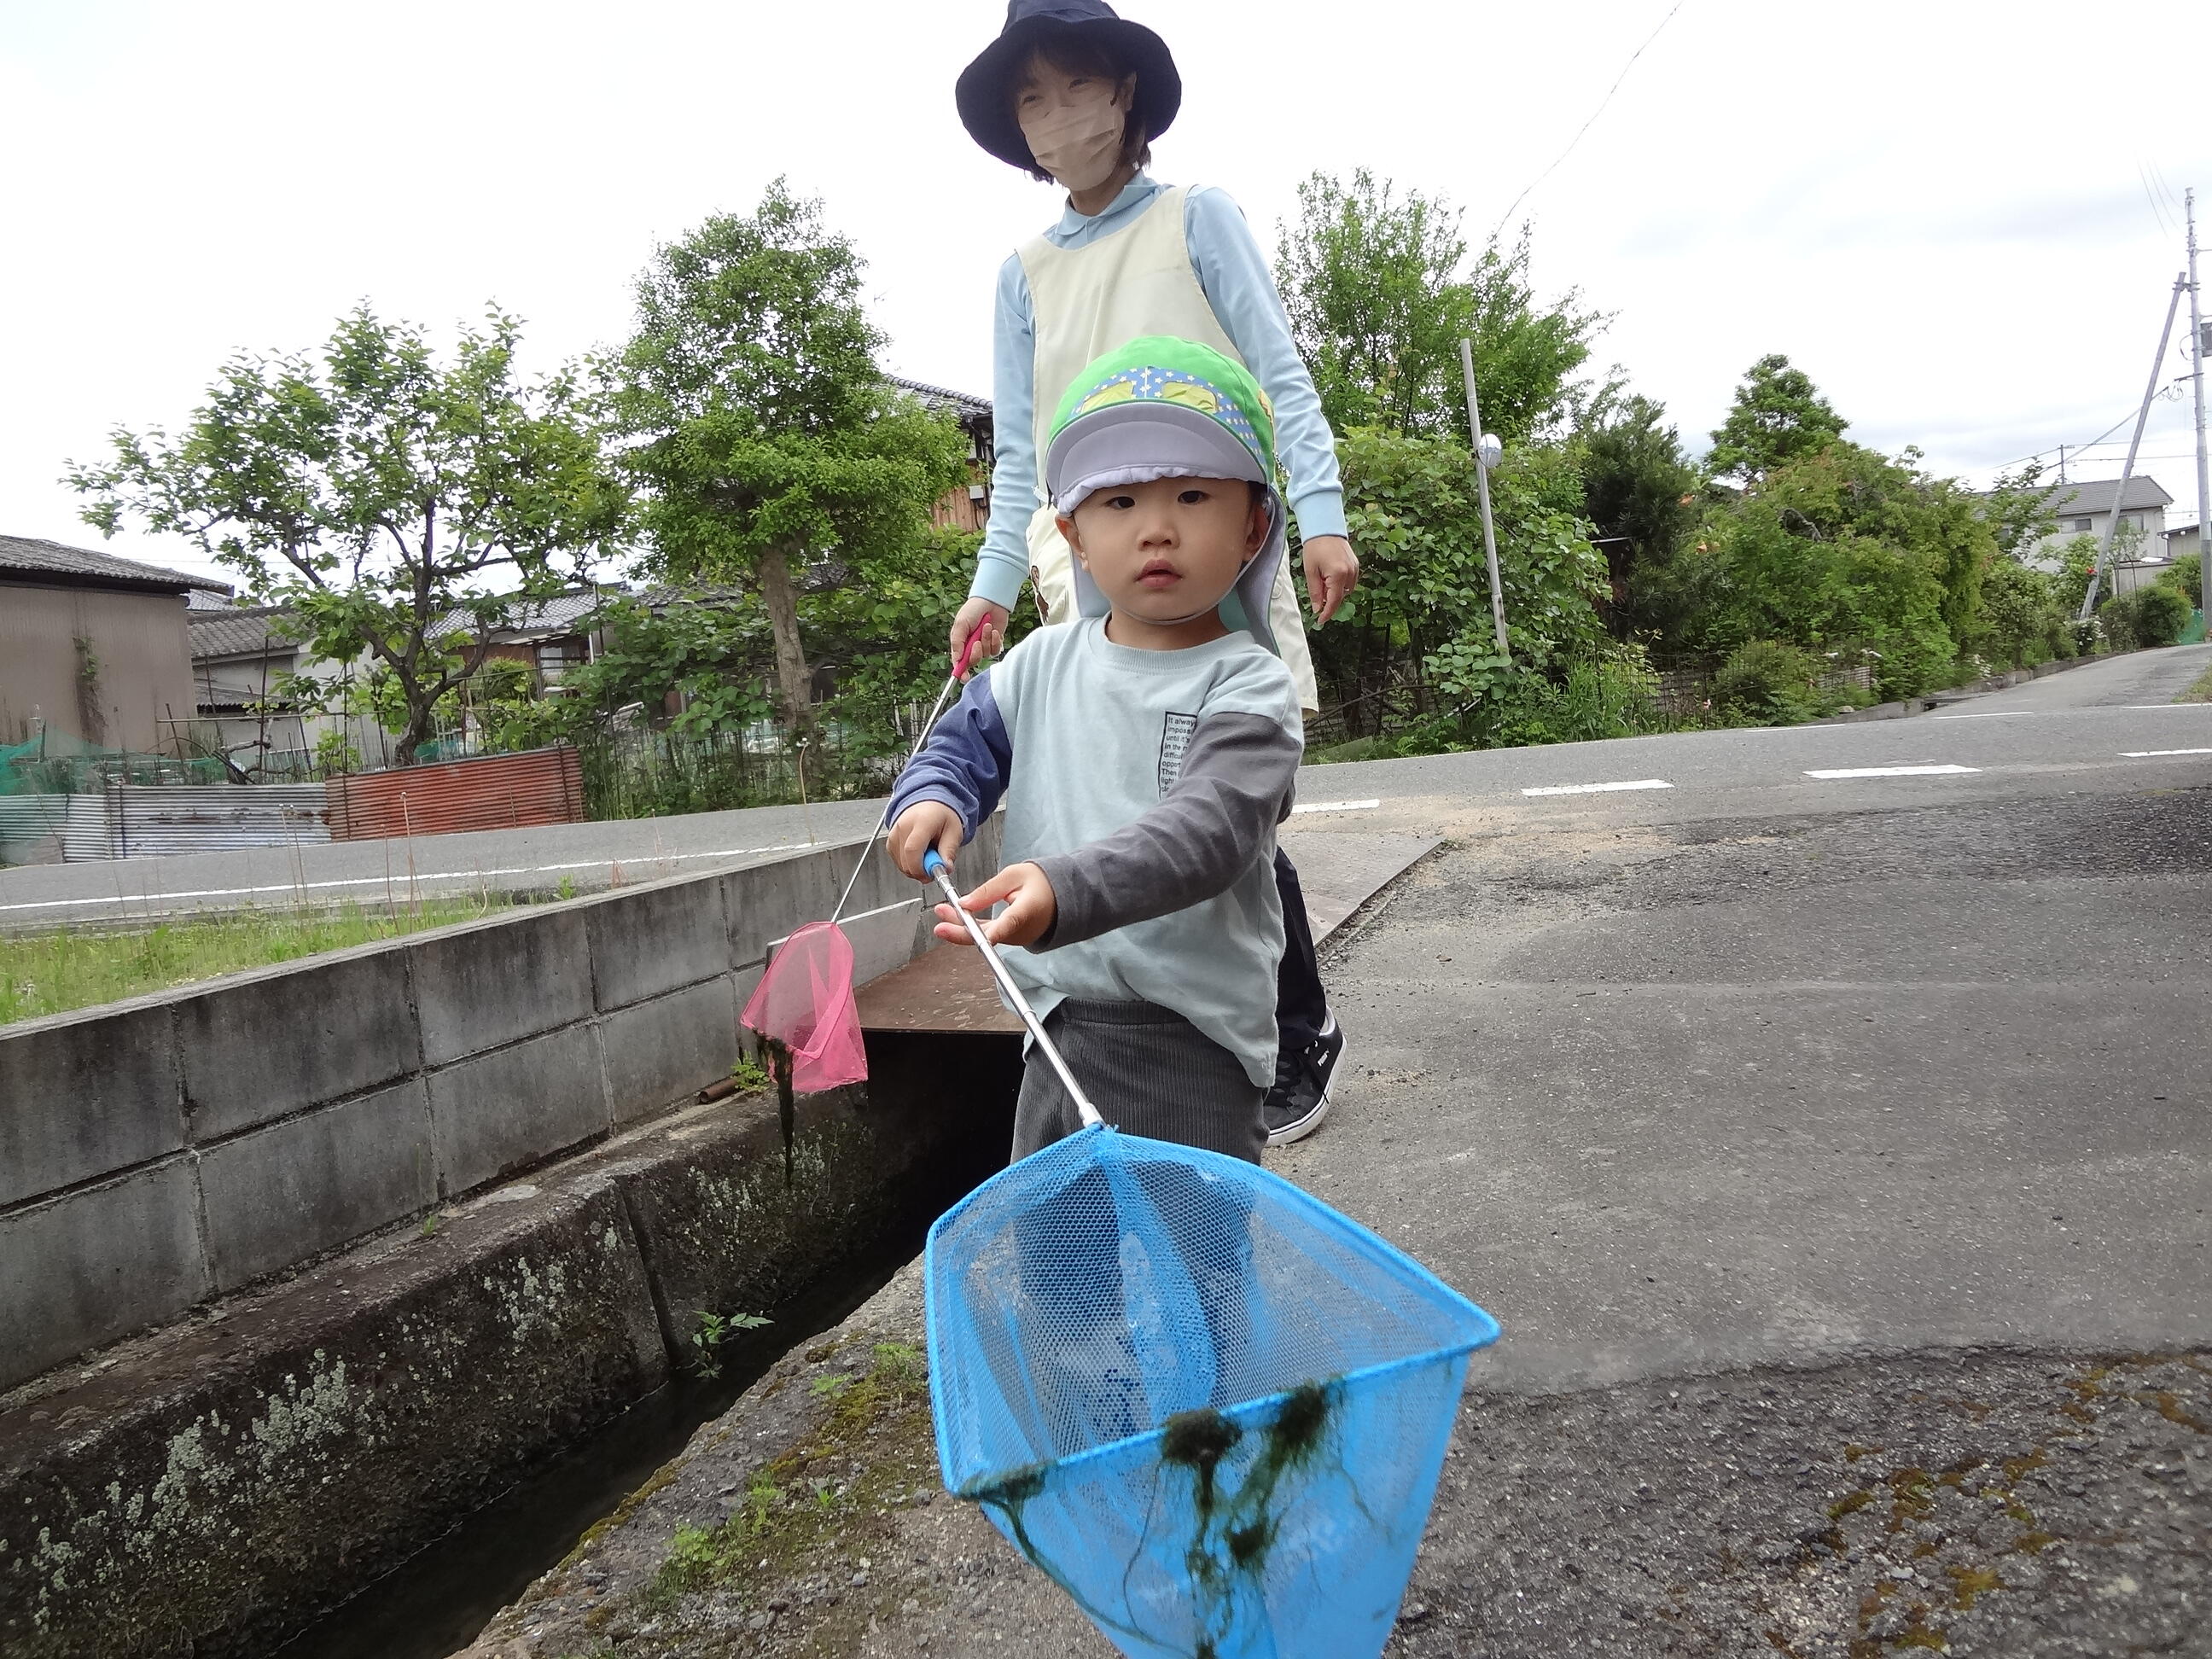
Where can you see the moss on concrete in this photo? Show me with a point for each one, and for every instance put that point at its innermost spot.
(270, 1465)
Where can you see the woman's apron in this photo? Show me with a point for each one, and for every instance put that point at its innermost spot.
(1086, 301)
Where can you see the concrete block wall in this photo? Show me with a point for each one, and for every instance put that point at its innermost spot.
(157, 1152)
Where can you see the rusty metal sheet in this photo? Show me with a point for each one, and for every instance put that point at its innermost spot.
(947, 989)
(485, 792)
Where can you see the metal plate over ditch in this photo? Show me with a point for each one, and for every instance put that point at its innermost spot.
(945, 990)
(949, 989)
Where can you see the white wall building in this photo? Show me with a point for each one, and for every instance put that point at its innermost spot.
(2086, 507)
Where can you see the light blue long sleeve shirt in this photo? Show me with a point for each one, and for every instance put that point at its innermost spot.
(1241, 289)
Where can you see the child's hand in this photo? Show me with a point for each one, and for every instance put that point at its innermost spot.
(925, 824)
(1031, 907)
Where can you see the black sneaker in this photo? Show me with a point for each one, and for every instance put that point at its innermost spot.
(1299, 1100)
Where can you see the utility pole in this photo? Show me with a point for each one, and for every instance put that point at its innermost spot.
(1486, 451)
(2199, 340)
(2134, 443)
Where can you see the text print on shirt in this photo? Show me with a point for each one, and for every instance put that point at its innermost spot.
(1174, 743)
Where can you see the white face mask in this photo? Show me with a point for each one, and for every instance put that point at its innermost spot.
(1079, 141)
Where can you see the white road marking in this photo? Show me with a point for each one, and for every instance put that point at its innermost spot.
(397, 880)
(1986, 715)
(1893, 772)
(1338, 806)
(2147, 753)
(1598, 788)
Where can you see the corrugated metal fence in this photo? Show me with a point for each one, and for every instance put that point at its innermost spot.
(132, 821)
(31, 827)
(485, 792)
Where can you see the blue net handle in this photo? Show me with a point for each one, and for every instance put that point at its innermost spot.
(935, 865)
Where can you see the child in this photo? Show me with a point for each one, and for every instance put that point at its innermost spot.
(1071, 93)
(1147, 752)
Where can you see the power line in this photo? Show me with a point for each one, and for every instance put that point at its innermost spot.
(2164, 396)
(2157, 211)
(1588, 125)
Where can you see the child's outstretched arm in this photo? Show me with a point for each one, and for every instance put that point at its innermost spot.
(954, 783)
(1237, 778)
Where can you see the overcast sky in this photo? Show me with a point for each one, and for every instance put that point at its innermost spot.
(1939, 209)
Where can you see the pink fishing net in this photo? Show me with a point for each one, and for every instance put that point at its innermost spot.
(805, 1002)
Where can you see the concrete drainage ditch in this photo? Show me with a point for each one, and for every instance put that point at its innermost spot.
(216, 1486)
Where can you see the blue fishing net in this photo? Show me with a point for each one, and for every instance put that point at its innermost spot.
(1211, 1408)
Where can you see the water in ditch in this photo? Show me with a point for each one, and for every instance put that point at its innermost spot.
(439, 1601)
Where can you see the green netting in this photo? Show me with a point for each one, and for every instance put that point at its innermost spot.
(51, 764)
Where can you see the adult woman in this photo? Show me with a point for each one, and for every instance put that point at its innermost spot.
(1073, 93)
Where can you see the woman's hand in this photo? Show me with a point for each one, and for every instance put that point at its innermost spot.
(1332, 572)
(925, 824)
(1031, 908)
(978, 616)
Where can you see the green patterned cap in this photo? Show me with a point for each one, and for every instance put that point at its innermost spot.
(1161, 376)
(1163, 408)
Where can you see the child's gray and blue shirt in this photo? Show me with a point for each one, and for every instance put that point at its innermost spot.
(1147, 786)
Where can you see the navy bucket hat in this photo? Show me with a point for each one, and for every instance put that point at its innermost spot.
(984, 92)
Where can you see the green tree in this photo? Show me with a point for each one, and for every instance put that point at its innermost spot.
(2019, 512)
(1380, 292)
(1642, 496)
(1778, 417)
(2077, 559)
(764, 434)
(1841, 550)
(883, 618)
(381, 497)
(709, 648)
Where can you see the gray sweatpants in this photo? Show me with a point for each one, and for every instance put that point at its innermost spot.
(1148, 1071)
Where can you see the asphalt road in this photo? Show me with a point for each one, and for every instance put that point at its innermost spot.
(589, 856)
(1837, 1154)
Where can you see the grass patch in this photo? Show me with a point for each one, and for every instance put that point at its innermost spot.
(2201, 691)
(44, 974)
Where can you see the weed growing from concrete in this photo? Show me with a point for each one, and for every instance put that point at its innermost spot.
(709, 1330)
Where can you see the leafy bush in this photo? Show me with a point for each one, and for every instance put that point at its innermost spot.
(2185, 576)
(1606, 691)
(2160, 615)
(2145, 618)
(2020, 622)
(1595, 697)
(1422, 610)
(1768, 680)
